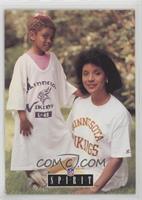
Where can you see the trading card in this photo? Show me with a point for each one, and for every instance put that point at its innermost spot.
(70, 79)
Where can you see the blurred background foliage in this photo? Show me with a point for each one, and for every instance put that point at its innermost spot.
(112, 30)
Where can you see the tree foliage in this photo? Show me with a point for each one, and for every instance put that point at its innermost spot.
(112, 30)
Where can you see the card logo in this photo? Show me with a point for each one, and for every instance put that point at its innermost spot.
(65, 180)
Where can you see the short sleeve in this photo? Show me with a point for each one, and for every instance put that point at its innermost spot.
(16, 99)
(65, 89)
(69, 120)
(72, 113)
(120, 140)
(69, 94)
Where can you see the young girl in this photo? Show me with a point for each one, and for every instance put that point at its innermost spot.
(37, 91)
(100, 124)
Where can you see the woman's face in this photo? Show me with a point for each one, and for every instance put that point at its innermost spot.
(93, 79)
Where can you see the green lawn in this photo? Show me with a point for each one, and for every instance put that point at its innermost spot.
(16, 181)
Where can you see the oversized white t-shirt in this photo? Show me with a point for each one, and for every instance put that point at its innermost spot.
(99, 133)
(41, 93)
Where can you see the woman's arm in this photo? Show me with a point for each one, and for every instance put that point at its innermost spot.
(108, 172)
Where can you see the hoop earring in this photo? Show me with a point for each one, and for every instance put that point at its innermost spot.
(107, 81)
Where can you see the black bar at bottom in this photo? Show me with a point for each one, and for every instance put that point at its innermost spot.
(65, 180)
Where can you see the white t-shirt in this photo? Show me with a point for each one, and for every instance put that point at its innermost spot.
(99, 133)
(41, 93)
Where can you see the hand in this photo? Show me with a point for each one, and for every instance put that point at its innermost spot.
(25, 127)
(25, 124)
(78, 93)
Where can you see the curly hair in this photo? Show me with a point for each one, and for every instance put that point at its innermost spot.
(101, 59)
(38, 22)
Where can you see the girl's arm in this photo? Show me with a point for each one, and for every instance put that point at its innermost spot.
(25, 124)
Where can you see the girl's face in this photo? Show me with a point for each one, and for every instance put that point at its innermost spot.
(42, 40)
(93, 79)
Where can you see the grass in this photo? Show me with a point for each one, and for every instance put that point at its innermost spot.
(16, 182)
